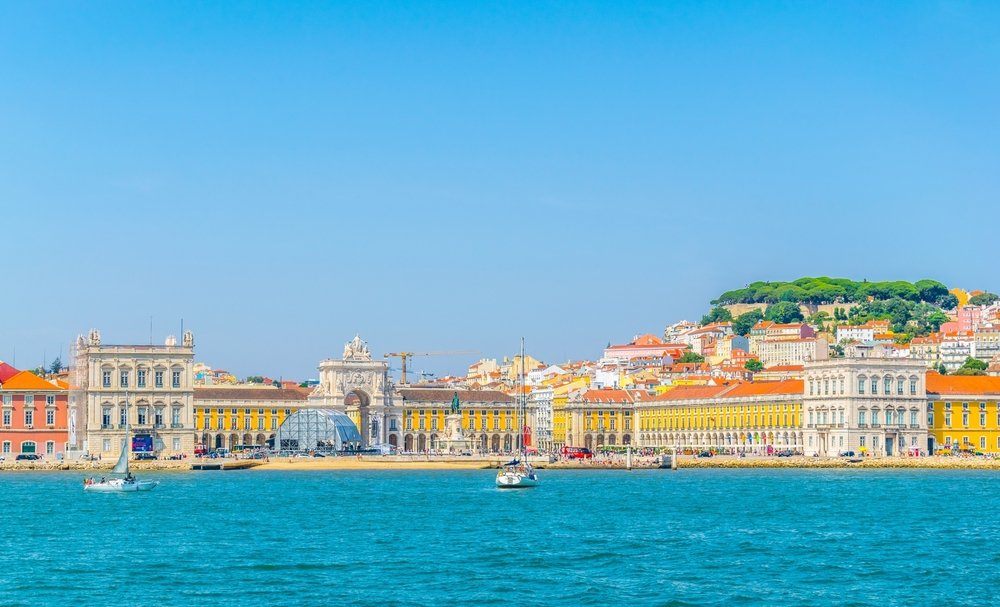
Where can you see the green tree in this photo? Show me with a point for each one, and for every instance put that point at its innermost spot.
(754, 365)
(783, 312)
(744, 322)
(56, 366)
(947, 302)
(930, 290)
(974, 364)
(983, 299)
(717, 314)
(691, 357)
(255, 379)
(943, 370)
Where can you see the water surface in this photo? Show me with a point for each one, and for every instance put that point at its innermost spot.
(596, 537)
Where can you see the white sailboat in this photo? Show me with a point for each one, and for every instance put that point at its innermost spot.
(127, 483)
(518, 474)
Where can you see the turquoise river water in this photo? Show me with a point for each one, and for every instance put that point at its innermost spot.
(692, 537)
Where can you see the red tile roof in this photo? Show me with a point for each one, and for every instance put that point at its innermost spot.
(6, 371)
(962, 384)
(26, 380)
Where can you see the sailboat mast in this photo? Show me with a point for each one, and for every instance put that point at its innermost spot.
(520, 400)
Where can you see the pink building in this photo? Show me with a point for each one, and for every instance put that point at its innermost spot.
(34, 416)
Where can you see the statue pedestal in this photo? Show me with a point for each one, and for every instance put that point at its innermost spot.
(455, 440)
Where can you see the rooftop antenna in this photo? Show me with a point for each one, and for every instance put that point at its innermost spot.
(150, 329)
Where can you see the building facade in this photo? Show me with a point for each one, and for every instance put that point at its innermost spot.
(35, 419)
(734, 418)
(235, 418)
(600, 417)
(490, 419)
(152, 385)
(963, 413)
(866, 405)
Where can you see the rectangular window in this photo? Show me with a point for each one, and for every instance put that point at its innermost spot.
(29, 417)
(947, 419)
(158, 417)
(6, 446)
(106, 417)
(140, 378)
(861, 386)
(50, 417)
(6, 417)
(106, 445)
(177, 444)
(965, 418)
(158, 379)
(106, 379)
(29, 400)
(899, 386)
(913, 418)
(861, 418)
(175, 416)
(175, 379)
(861, 441)
(142, 416)
(50, 448)
(982, 442)
(123, 379)
(50, 400)
(982, 419)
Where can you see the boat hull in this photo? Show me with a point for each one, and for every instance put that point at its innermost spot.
(117, 485)
(515, 480)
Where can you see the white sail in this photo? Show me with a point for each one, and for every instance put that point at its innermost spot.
(122, 466)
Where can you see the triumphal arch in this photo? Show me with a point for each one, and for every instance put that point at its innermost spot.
(358, 386)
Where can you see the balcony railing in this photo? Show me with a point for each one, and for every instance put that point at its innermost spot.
(176, 426)
(876, 425)
(159, 426)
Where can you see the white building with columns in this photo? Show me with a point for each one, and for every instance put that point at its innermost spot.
(151, 384)
(865, 405)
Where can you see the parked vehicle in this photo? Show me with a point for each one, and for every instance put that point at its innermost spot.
(144, 455)
(577, 453)
(786, 453)
(704, 454)
(28, 457)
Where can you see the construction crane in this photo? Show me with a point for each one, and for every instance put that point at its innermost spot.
(405, 356)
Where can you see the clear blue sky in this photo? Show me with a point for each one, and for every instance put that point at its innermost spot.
(449, 176)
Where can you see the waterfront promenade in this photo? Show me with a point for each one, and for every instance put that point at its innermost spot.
(414, 462)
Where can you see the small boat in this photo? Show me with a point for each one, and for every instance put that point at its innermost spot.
(516, 474)
(126, 484)
(664, 461)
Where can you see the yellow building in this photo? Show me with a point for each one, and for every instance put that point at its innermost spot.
(232, 418)
(599, 417)
(963, 413)
(747, 417)
(490, 419)
(560, 398)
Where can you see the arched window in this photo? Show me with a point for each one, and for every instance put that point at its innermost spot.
(28, 446)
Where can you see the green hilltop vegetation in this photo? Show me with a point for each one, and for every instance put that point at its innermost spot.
(825, 290)
(913, 309)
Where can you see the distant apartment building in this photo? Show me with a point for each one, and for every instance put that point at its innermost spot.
(792, 351)
(956, 347)
(986, 344)
(35, 416)
(862, 333)
(540, 417)
(645, 347)
(927, 349)
(152, 385)
(766, 330)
